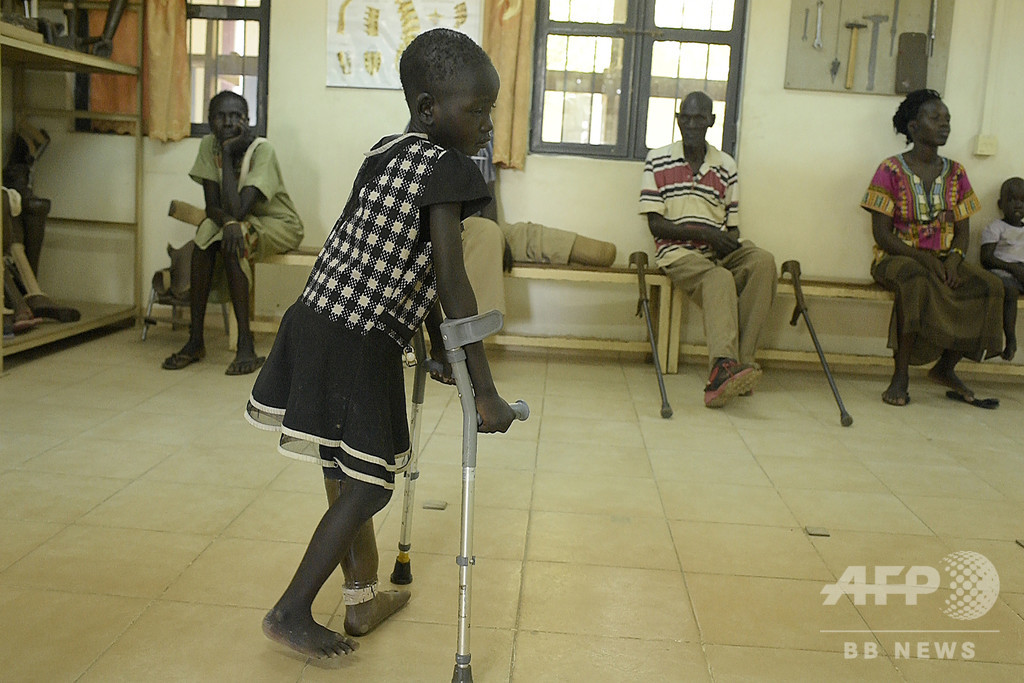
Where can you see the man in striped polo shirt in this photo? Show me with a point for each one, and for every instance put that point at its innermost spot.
(691, 199)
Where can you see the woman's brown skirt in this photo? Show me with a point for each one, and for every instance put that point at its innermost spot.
(967, 319)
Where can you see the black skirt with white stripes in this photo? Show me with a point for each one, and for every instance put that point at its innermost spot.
(336, 396)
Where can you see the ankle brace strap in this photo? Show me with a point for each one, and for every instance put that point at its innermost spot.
(357, 595)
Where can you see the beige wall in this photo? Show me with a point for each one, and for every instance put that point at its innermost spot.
(805, 159)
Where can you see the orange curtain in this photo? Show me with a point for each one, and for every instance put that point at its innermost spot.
(167, 84)
(165, 74)
(508, 39)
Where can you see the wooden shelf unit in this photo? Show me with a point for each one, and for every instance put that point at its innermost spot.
(20, 55)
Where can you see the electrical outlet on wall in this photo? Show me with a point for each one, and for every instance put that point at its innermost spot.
(986, 145)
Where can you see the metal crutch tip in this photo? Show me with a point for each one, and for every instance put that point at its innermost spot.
(846, 420)
(462, 674)
(402, 573)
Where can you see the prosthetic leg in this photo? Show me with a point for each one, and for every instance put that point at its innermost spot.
(365, 606)
(22, 317)
(457, 334)
(17, 261)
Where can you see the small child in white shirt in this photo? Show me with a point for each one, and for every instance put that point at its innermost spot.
(1002, 252)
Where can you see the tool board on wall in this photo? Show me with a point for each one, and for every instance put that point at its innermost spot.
(877, 47)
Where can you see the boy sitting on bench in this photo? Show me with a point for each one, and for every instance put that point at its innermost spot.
(1002, 252)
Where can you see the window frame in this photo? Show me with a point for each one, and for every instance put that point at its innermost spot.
(639, 34)
(260, 14)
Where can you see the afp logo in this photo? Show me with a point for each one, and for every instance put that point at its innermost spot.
(971, 587)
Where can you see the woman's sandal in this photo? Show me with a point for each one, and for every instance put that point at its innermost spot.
(178, 360)
(987, 403)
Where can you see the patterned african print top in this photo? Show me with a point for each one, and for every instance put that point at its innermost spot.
(708, 197)
(923, 218)
(375, 270)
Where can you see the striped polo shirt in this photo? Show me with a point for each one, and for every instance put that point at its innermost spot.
(708, 197)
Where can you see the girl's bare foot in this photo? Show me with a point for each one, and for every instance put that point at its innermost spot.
(302, 634)
(362, 618)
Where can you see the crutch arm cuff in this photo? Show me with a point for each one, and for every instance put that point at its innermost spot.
(458, 332)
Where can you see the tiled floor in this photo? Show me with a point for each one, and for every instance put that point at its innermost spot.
(146, 528)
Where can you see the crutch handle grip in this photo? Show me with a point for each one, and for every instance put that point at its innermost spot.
(639, 259)
(793, 268)
(519, 409)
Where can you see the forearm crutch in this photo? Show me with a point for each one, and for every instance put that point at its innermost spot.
(457, 334)
(793, 268)
(402, 573)
(643, 305)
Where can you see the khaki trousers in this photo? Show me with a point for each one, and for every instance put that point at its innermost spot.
(483, 245)
(735, 295)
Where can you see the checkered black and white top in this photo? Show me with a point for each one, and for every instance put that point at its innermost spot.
(375, 270)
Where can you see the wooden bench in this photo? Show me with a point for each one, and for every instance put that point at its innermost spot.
(659, 288)
(815, 288)
(658, 284)
(303, 257)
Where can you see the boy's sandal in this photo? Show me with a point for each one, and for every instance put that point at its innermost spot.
(178, 360)
(245, 367)
(987, 403)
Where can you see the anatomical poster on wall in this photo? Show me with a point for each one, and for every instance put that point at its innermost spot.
(366, 38)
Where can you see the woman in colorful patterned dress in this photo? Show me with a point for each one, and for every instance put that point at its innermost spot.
(945, 308)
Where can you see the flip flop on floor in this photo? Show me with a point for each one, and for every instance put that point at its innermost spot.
(988, 403)
(178, 360)
(245, 367)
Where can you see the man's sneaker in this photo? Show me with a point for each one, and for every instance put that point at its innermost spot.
(729, 378)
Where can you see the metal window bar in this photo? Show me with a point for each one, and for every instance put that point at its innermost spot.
(638, 35)
(245, 66)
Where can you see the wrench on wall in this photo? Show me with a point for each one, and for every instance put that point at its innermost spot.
(817, 44)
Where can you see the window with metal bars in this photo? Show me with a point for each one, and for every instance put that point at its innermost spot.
(228, 48)
(610, 74)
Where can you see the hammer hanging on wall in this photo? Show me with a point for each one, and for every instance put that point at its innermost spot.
(851, 65)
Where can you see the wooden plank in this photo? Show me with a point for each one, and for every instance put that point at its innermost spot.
(93, 316)
(657, 282)
(839, 360)
(303, 256)
(20, 32)
(52, 58)
(575, 343)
